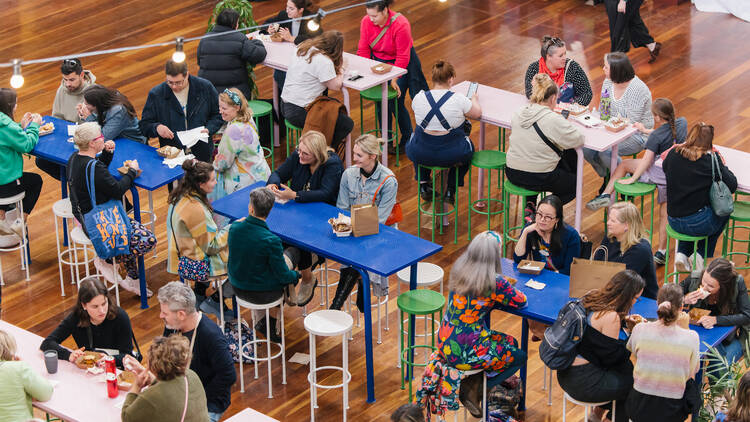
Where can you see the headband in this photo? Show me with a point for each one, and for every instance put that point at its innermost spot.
(496, 236)
(233, 96)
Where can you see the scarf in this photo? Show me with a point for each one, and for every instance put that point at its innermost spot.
(366, 174)
(558, 77)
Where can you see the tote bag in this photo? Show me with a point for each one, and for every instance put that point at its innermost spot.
(107, 224)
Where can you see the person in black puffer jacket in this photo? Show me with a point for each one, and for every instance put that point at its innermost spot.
(222, 59)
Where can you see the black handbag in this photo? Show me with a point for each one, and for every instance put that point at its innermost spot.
(467, 127)
(568, 158)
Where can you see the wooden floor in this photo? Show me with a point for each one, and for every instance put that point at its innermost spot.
(703, 68)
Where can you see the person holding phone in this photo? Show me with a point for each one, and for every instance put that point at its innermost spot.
(440, 139)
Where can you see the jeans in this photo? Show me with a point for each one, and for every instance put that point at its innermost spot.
(214, 416)
(702, 223)
(600, 160)
(732, 351)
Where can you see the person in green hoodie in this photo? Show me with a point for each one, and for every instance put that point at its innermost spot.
(17, 139)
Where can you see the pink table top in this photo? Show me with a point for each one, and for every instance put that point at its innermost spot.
(279, 54)
(78, 396)
(499, 105)
(739, 162)
(249, 414)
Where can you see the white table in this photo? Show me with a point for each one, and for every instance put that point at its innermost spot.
(78, 396)
(250, 415)
(280, 54)
(498, 107)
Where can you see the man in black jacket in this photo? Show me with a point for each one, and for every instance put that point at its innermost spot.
(182, 102)
(223, 59)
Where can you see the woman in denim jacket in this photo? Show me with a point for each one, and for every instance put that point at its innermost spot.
(113, 111)
(366, 182)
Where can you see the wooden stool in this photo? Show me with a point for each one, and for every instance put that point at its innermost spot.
(269, 357)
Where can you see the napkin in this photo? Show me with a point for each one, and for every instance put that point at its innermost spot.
(177, 161)
(536, 285)
(192, 136)
(301, 358)
(72, 130)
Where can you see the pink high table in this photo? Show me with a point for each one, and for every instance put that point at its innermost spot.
(251, 415)
(280, 54)
(498, 107)
(737, 161)
(78, 396)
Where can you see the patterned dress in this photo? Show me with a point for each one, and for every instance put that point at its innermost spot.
(466, 341)
(239, 161)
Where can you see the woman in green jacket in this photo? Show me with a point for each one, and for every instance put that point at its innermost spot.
(16, 139)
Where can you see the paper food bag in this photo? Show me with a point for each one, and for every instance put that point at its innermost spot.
(364, 220)
(587, 274)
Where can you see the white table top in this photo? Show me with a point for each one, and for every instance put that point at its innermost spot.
(249, 414)
(499, 105)
(279, 54)
(78, 396)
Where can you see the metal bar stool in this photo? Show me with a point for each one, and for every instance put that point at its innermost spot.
(634, 190)
(269, 357)
(434, 201)
(489, 160)
(510, 189)
(260, 109)
(375, 94)
(679, 237)
(323, 285)
(328, 323)
(741, 214)
(484, 395)
(80, 241)
(567, 398)
(293, 134)
(23, 244)
(427, 275)
(63, 209)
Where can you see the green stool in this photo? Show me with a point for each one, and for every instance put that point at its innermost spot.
(293, 134)
(489, 160)
(508, 190)
(741, 214)
(433, 212)
(679, 237)
(634, 190)
(375, 94)
(260, 109)
(416, 302)
(500, 147)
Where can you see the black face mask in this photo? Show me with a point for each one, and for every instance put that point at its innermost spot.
(366, 174)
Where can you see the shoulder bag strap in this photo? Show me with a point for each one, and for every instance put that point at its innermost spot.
(184, 411)
(435, 109)
(547, 141)
(90, 170)
(171, 213)
(91, 336)
(195, 331)
(383, 31)
(567, 65)
(715, 167)
(375, 195)
(135, 342)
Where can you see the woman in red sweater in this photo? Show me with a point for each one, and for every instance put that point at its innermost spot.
(385, 36)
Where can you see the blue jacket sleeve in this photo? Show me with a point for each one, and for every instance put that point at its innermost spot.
(571, 249)
(214, 121)
(149, 117)
(329, 185)
(284, 172)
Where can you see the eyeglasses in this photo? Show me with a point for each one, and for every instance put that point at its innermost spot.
(303, 153)
(176, 83)
(542, 217)
(97, 138)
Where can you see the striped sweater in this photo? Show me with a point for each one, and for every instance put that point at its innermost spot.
(666, 357)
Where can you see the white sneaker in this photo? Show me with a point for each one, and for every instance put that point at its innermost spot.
(106, 270)
(682, 263)
(134, 286)
(698, 262)
(17, 227)
(5, 228)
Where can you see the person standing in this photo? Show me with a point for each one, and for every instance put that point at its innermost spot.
(183, 102)
(626, 27)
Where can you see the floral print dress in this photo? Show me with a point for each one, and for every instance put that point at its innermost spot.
(239, 161)
(467, 343)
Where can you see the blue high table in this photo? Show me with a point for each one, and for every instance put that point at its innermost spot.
(544, 305)
(55, 147)
(306, 226)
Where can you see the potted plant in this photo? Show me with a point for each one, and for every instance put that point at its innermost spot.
(720, 390)
(245, 9)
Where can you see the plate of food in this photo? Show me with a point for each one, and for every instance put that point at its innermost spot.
(125, 167)
(341, 225)
(381, 68)
(530, 267)
(125, 380)
(633, 320)
(615, 124)
(46, 128)
(588, 119)
(168, 151)
(696, 314)
(88, 359)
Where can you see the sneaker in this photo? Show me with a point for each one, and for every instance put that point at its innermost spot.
(5, 228)
(600, 201)
(134, 286)
(17, 227)
(660, 258)
(698, 262)
(681, 262)
(106, 270)
(529, 213)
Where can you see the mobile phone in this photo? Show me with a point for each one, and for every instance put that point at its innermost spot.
(355, 77)
(472, 89)
(565, 113)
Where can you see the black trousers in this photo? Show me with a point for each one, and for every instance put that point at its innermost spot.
(560, 181)
(31, 183)
(297, 115)
(589, 383)
(48, 167)
(626, 28)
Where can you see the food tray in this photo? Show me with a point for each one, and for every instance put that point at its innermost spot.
(381, 68)
(697, 313)
(588, 119)
(530, 267)
(125, 380)
(168, 151)
(46, 128)
(88, 359)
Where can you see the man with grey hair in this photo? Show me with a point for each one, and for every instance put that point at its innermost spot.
(211, 358)
(258, 274)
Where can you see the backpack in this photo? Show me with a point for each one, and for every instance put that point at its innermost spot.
(558, 347)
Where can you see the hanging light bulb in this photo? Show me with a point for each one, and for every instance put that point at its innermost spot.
(442, 1)
(16, 81)
(178, 56)
(314, 23)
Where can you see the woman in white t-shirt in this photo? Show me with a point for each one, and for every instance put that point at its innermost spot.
(439, 138)
(316, 67)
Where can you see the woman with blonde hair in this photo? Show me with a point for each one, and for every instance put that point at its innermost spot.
(366, 182)
(538, 139)
(465, 340)
(317, 66)
(174, 393)
(95, 155)
(627, 242)
(19, 383)
(690, 170)
(239, 161)
(312, 173)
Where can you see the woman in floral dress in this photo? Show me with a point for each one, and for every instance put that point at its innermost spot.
(465, 339)
(239, 161)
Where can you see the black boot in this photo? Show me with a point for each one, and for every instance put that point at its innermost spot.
(360, 300)
(470, 395)
(347, 281)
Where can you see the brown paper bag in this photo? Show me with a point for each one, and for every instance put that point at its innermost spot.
(587, 274)
(364, 220)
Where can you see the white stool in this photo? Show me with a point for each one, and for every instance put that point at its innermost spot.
(282, 353)
(586, 406)
(427, 275)
(62, 209)
(80, 241)
(547, 384)
(328, 323)
(484, 394)
(23, 245)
